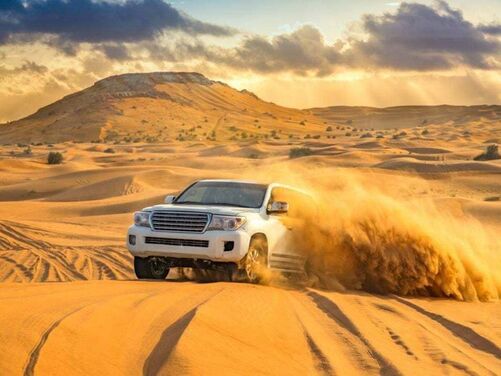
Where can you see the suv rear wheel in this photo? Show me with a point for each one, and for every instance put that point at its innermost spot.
(150, 268)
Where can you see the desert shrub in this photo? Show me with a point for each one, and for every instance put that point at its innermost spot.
(425, 132)
(316, 137)
(299, 152)
(109, 150)
(328, 129)
(55, 157)
(397, 136)
(27, 151)
(491, 153)
(379, 136)
(367, 135)
(303, 122)
(492, 198)
(347, 134)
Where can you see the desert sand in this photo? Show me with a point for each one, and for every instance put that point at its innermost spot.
(70, 304)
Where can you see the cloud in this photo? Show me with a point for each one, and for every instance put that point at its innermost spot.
(301, 51)
(491, 29)
(420, 37)
(414, 37)
(90, 21)
(117, 52)
(28, 67)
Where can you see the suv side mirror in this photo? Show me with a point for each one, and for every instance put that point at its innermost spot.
(169, 199)
(278, 207)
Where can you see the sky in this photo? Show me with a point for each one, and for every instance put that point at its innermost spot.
(292, 52)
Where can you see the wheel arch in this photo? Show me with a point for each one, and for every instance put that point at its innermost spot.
(260, 236)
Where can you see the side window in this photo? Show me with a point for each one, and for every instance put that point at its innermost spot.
(298, 202)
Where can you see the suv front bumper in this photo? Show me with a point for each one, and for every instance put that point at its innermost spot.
(181, 245)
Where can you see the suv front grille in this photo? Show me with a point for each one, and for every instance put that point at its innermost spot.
(177, 242)
(179, 221)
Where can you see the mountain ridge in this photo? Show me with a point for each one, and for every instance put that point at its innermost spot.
(164, 106)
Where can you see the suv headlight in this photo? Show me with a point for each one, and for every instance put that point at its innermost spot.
(226, 222)
(142, 218)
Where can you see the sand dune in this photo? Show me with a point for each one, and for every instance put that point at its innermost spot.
(178, 328)
(405, 211)
(66, 224)
(412, 164)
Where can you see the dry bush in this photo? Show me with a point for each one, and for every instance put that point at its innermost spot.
(55, 157)
(491, 153)
(299, 152)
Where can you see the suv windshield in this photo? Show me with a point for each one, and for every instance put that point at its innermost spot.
(246, 195)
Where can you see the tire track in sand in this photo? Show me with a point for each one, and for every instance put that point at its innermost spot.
(460, 331)
(322, 364)
(35, 353)
(332, 310)
(162, 351)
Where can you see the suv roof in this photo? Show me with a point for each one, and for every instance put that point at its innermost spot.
(230, 181)
(272, 185)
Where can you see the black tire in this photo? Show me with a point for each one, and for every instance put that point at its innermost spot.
(256, 260)
(150, 268)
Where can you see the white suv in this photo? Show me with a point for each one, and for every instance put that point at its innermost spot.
(234, 226)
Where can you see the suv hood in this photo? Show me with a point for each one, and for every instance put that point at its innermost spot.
(213, 209)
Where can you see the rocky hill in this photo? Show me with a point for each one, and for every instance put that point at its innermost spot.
(154, 107)
(165, 106)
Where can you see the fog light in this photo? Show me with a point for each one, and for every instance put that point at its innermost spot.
(132, 239)
(228, 246)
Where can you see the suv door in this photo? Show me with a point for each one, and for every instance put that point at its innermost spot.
(284, 254)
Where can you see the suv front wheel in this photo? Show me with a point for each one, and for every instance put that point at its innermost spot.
(150, 268)
(255, 262)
